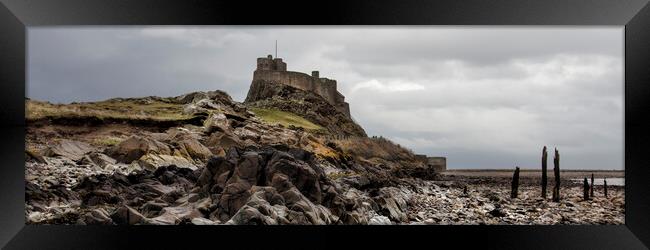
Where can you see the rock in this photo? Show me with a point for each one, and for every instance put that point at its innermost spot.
(98, 159)
(97, 216)
(73, 150)
(392, 203)
(127, 215)
(223, 140)
(193, 197)
(154, 161)
(233, 197)
(135, 147)
(379, 220)
(301, 174)
(175, 215)
(217, 122)
(250, 216)
(202, 221)
(193, 149)
(246, 134)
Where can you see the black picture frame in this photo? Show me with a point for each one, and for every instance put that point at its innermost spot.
(16, 16)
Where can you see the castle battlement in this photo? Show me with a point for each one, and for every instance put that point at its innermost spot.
(275, 70)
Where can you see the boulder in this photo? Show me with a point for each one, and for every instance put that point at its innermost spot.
(194, 150)
(127, 215)
(392, 203)
(233, 197)
(73, 150)
(135, 147)
(217, 122)
(153, 161)
(98, 159)
(202, 221)
(379, 220)
(97, 216)
(299, 173)
(223, 140)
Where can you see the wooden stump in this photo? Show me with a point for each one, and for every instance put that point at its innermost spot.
(544, 169)
(591, 192)
(605, 187)
(556, 172)
(515, 184)
(585, 190)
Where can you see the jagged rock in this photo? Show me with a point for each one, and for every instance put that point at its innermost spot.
(217, 122)
(202, 221)
(233, 197)
(379, 220)
(223, 140)
(98, 159)
(193, 149)
(135, 147)
(73, 150)
(127, 215)
(97, 217)
(392, 203)
(153, 161)
(301, 174)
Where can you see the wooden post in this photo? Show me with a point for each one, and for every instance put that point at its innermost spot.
(544, 169)
(591, 192)
(556, 172)
(605, 187)
(515, 183)
(465, 190)
(585, 190)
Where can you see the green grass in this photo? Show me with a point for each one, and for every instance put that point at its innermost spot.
(274, 116)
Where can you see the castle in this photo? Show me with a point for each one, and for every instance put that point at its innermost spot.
(271, 69)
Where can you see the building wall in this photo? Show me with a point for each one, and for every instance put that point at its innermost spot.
(324, 87)
(274, 70)
(439, 164)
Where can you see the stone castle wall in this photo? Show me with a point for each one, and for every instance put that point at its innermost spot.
(274, 70)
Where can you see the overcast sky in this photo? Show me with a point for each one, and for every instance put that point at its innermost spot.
(484, 97)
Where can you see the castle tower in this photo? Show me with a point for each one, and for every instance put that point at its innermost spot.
(270, 63)
(274, 70)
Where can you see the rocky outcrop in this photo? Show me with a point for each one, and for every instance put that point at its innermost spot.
(306, 104)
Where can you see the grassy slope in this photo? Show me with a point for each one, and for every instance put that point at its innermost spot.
(284, 118)
(123, 109)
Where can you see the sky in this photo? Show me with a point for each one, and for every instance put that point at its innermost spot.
(482, 96)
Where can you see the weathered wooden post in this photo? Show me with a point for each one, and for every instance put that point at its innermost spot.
(515, 183)
(556, 172)
(605, 187)
(585, 190)
(544, 169)
(591, 193)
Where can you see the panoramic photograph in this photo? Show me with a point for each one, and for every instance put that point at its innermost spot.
(321, 125)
